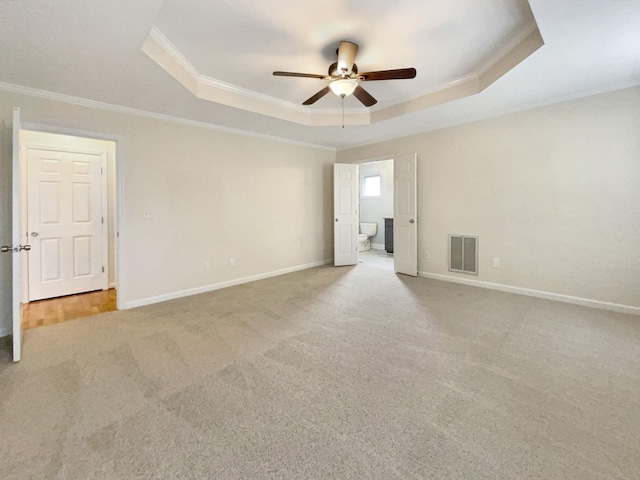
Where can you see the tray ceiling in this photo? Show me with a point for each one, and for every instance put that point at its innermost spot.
(225, 52)
(90, 53)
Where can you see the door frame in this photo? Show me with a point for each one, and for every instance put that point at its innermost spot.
(364, 162)
(391, 157)
(119, 162)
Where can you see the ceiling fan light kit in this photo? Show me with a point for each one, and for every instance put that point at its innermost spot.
(344, 77)
(343, 87)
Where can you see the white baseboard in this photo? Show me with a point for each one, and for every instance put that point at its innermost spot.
(112, 285)
(377, 246)
(586, 302)
(217, 286)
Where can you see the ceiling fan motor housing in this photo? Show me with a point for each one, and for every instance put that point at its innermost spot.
(334, 72)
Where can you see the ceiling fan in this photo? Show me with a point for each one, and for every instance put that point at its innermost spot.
(344, 76)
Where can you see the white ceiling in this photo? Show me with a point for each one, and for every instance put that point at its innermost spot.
(93, 50)
(248, 40)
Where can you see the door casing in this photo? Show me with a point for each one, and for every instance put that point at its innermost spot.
(119, 162)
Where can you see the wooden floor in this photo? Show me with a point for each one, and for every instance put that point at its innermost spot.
(57, 310)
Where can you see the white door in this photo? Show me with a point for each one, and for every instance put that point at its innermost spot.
(345, 214)
(405, 238)
(65, 222)
(15, 248)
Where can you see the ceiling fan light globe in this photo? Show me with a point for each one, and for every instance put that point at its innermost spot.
(343, 87)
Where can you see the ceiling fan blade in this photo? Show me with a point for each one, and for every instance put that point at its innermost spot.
(317, 96)
(365, 98)
(399, 74)
(346, 56)
(294, 74)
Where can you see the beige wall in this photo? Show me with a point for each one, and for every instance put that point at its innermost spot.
(553, 192)
(215, 195)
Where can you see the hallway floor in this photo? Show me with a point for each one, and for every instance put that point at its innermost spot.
(61, 309)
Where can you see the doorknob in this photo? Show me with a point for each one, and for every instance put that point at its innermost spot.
(11, 248)
(336, 219)
(34, 234)
(412, 221)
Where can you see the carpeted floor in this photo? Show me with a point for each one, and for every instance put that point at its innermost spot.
(332, 373)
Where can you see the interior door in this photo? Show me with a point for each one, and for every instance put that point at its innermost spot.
(405, 232)
(345, 214)
(15, 248)
(65, 222)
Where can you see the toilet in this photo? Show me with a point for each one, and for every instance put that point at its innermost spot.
(366, 230)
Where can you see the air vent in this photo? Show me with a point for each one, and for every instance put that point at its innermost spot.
(463, 254)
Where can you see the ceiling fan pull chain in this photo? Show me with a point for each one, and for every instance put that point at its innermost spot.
(342, 112)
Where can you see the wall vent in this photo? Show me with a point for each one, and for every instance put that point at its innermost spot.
(463, 254)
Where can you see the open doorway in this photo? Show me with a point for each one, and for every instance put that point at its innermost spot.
(376, 192)
(68, 204)
(347, 217)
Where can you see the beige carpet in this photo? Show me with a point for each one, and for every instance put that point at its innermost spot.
(336, 373)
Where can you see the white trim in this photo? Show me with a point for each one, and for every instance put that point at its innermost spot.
(509, 46)
(383, 158)
(585, 302)
(104, 198)
(83, 102)
(120, 194)
(377, 246)
(245, 92)
(199, 78)
(218, 286)
(112, 285)
(528, 106)
(168, 57)
(173, 52)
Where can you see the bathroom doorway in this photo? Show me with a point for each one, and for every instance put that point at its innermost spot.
(376, 190)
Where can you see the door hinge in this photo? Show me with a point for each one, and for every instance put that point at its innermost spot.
(103, 220)
(102, 269)
(101, 171)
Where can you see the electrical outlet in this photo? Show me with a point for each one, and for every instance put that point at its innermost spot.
(496, 262)
(205, 266)
(147, 214)
(232, 262)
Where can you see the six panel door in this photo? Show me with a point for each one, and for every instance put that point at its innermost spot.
(65, 222)
(405, 237)
(345, 213)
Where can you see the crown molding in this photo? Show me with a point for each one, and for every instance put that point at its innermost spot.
(160, 49)
(522, 107)
(170, 48)
(84, 102)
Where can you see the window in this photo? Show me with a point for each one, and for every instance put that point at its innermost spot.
(371, 186)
